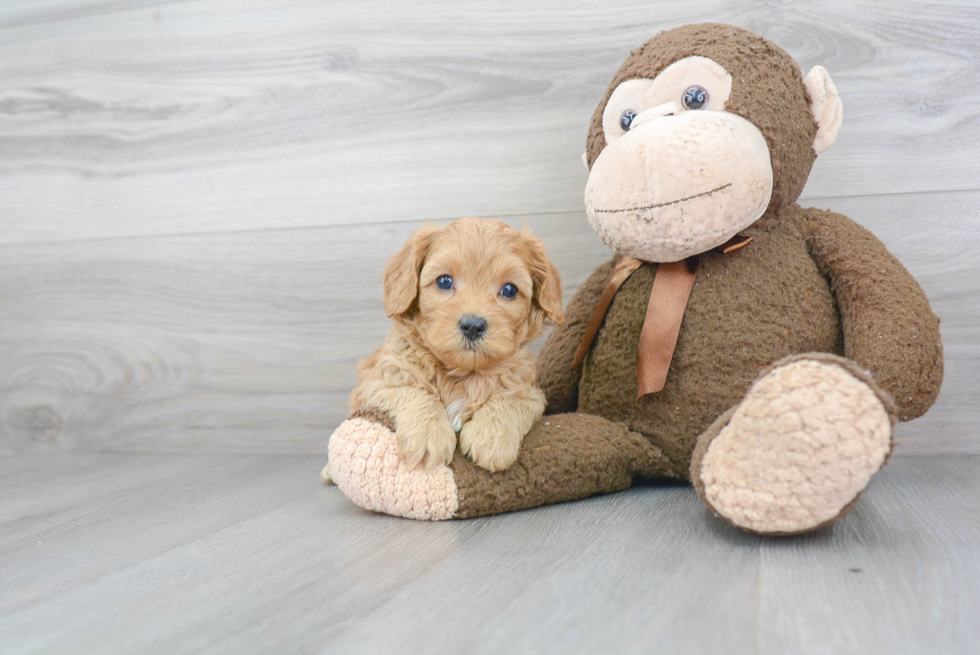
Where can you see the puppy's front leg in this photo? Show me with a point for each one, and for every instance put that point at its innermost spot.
(422, 428)
(492, 438)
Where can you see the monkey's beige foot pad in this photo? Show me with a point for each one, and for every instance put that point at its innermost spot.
(799, 449)
(364, 463)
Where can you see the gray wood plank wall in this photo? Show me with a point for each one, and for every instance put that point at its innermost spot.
(197, 198)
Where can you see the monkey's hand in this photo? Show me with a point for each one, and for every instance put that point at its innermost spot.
(422, 428)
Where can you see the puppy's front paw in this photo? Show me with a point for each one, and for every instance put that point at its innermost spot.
(491, 444)
(425, 438)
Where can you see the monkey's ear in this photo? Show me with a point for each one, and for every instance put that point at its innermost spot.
(401, 278)
(544, 277)
(825, 105)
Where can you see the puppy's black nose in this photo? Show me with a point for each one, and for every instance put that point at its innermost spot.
(472, 327)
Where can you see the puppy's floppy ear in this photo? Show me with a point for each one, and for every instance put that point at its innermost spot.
(545, 277)
(401, 279)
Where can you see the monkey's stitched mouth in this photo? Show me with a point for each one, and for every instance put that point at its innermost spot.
(662, 204)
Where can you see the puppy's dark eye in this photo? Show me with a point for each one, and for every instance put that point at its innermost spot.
(696, 97)
(444, 282)
(508, 291)
(627, 119)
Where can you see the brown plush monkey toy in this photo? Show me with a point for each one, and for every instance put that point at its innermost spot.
(757, 349)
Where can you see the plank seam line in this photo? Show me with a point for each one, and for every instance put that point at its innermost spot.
(218, 233)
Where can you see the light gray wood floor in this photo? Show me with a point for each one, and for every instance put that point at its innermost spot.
(157, 553)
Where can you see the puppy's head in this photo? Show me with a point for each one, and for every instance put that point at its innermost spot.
(475, 290)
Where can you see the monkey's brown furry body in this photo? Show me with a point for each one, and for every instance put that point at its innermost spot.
(749, 309)
(795, 355)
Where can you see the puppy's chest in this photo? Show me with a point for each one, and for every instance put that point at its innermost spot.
(464, 396)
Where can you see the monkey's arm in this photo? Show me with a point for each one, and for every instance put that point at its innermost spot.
(889, 327)
(556, 377)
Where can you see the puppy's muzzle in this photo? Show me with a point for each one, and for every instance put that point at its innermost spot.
(472, 327)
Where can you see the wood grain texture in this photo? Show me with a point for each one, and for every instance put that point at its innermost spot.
(240, 341)
(196, 199)
(247, 341)
(252, 554)
(148, 118)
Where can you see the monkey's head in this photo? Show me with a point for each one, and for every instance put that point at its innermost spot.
(704, 129)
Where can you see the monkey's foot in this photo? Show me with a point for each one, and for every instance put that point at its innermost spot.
(563, 457)
(798, 450)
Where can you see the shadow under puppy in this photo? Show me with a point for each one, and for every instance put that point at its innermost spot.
(465, 300)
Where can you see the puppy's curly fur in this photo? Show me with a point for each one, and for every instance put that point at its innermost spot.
(457, 358)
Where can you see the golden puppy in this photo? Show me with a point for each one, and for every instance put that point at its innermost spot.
(465, 300)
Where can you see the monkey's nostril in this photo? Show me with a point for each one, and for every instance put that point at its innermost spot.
(472, 327)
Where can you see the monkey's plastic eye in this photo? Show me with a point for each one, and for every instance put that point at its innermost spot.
(508, 291)
(444, 282)
(627, 119)
(696, 97)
